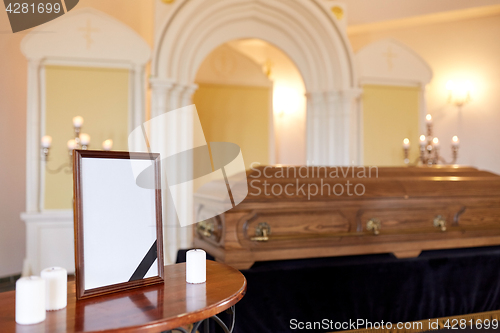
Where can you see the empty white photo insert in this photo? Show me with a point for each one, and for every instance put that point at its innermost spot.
(117, 222)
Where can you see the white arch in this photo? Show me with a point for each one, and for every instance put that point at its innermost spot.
(305, 30)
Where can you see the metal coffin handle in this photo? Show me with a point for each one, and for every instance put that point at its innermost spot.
(439, 222)
(262, 232)
(374, 226)
(206, 228)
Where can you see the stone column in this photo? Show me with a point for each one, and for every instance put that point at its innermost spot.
(330, 132)
(185, 142)
(168, 95)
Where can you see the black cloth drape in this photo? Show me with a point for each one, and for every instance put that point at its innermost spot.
(370, 287)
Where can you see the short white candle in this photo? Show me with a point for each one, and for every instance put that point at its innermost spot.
(71, 144)
(77, 121)
(107, 145)
(196, 266)
(428, 119)
(84, 139)
(46, 141)
(406, 143)
(455, 141)
(56, 287)
(30, 300)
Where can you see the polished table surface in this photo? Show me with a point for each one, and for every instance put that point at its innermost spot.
(154, 308)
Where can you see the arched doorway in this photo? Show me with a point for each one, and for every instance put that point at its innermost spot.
(306, 30)
(250, 93)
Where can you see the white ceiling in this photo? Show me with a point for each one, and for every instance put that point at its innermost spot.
(370, 11)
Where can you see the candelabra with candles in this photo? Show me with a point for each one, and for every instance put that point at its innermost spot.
(80, 141)
(429, 147)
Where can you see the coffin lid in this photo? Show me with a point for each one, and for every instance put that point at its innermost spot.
(268, 183)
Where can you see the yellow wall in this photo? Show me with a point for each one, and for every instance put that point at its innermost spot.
(100, 96)
(238, 114)
(390, 114)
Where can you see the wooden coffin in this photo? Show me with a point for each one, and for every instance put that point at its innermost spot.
(402, 210)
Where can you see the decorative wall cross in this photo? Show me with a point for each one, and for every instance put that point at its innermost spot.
(88, 30)
(389, 55)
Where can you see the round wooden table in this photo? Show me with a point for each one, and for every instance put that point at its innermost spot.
(156, 308)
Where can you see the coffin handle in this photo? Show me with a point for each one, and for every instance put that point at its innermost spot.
(440, 222)
(373, 225)
(262, 232)
(206, 228)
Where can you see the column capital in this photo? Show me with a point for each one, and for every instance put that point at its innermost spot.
(188, 87)
(160, 84)
(353, 92)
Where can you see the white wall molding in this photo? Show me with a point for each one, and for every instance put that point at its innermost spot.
(33, 153)
(86, 34)
(46, 229)
(390, 62)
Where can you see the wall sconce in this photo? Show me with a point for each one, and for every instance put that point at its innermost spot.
(80, 141)
(459, 92)
(285, 100)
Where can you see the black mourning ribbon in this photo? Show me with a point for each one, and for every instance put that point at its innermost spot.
(145, 264)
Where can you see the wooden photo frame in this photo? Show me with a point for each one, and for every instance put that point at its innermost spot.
(118, 224)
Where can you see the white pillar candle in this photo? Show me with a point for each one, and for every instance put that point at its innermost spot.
(56, 287)
(196, 266)
(30, 300)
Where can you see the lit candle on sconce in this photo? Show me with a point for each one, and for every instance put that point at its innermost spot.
(107, 145)
(77, 122)
(71, 144)
(84, 140)
(455, 141)
(428, 119)
(423, 140)
(406, 143)
(459, 92)
(436, 142)
(406, 148)
(46, 141)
